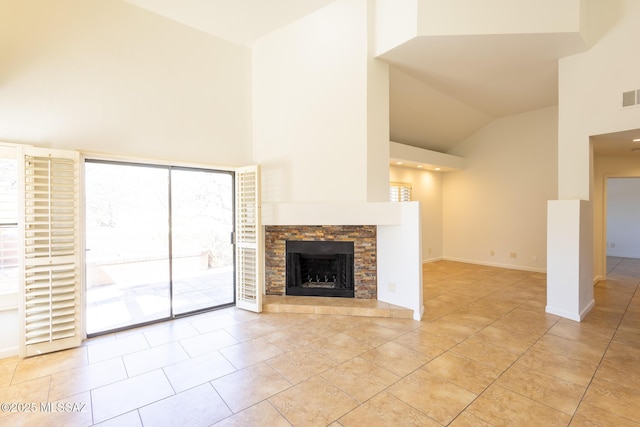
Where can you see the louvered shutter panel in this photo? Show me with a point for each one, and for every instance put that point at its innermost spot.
(50, 293)
(399, 192)
(394, 193)
(405, 194)
(249, 250)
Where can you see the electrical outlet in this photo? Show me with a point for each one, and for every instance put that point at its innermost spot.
(492, 253)
(534, 259)
(392, 287)
(513, 255)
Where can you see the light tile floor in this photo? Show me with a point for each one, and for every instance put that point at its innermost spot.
(485, 354)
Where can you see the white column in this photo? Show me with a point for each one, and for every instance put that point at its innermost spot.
(400, 261)
(569, 258)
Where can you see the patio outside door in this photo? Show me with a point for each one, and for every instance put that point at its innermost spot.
(158, 241)
(201, 228)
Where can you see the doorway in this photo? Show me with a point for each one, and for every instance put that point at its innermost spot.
(615, 155)
(622, 225)
(158, 243)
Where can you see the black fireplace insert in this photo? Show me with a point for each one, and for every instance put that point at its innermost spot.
(319, 268)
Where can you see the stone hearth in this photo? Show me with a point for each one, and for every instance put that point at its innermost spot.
(363, 236)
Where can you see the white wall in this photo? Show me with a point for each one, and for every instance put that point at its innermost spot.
(589, 98)
(311, 106)
(377, 140)
(399, 261)
(9, 319)
(623, 217)
(106, 76)
(569, 259)
(590, 91)
(499, 16)
(499, 201)
(426, 188)
(396, 22)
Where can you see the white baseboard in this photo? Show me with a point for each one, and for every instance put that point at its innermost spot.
(562, 313)
(587, 309)
(494, 264)
(577, 317)
(9, 352)
(426, 261)
(623, 254)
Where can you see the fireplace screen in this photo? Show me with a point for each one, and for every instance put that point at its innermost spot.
(320, 268)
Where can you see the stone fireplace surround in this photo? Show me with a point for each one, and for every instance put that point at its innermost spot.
(365, 262)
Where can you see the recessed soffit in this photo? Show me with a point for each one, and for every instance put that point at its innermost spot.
(492, 75)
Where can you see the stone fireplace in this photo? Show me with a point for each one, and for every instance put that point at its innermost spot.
(348, 250)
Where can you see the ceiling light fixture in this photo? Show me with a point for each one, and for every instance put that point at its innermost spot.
(398, 163)
(419, 166)
(437, 169)
(636, 140)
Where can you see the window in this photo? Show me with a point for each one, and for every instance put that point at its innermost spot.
(8, 220)
(399, 192)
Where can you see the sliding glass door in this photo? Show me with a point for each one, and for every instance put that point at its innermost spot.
(201, 246)
(158, 242)
(127, 258)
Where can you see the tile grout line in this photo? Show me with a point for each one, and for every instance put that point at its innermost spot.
(450, 349)
(506, 369)
(604, 354)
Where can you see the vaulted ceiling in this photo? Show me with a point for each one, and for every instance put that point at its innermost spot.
(445, 88)
(238, 21)
(442, 88)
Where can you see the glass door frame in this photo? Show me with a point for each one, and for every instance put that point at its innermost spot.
(169, 167)
(231, 241)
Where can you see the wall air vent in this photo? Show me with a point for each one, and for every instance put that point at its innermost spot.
(630, 98)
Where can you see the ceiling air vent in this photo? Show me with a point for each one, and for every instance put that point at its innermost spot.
(630, 98)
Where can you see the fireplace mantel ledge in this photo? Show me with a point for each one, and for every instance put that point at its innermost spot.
(337, 213)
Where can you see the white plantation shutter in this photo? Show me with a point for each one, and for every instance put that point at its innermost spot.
(249, 251)
(50, 295)
(399, 192)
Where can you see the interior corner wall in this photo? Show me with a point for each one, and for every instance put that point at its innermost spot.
(108, 77)
(591, 84)
(377, 130)
(395, 23)
(310, 107)
(426, 188)
(607, 166)
(495, 210)
(590, 91)
(442, 17)
(399, 256)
